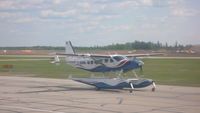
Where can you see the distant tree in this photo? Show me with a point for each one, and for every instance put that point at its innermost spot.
(127, 46)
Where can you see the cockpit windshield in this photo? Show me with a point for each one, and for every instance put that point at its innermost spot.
(119, 58)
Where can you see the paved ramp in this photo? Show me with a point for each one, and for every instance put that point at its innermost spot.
(39, 95)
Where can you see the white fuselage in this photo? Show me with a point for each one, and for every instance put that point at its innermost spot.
(89, 63)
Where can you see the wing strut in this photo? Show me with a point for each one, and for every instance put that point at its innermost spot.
(132, 88)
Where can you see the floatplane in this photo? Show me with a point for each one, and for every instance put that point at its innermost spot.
(107, 63)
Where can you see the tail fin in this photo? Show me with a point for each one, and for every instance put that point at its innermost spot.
(69, 48)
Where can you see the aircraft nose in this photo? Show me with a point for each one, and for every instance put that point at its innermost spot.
(137, 63)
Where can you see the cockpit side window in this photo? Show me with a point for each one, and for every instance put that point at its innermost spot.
(98, 61)
(106, 60)
(119, 58)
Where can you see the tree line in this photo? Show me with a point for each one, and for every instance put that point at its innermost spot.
(136, 45)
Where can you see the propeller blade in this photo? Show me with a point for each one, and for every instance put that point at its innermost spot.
(141, 70)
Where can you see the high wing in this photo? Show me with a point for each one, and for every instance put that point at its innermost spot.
(84, 55)
(143, 55)
(69, 51)
(109, 56)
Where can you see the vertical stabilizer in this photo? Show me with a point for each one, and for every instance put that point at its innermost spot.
(69, 48)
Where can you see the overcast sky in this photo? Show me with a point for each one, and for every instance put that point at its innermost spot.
(98, 22)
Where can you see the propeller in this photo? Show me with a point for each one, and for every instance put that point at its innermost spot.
(141, 67)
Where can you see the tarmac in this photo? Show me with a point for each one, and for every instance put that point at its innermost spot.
(42, 95)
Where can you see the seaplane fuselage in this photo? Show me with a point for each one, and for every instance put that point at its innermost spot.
(112, 63)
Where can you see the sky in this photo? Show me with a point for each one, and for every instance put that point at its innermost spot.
(98, 22)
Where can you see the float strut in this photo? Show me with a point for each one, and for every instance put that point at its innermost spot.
(132, 88)
(154, 87)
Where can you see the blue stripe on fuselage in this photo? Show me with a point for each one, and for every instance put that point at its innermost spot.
(131, 64)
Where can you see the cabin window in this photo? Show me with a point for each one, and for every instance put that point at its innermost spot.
(82, 62)
(88, 62)
(111, 60)
(98, 61)
(106, 60)
(92, 62)
(71, 62)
